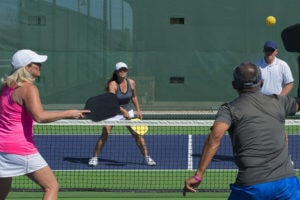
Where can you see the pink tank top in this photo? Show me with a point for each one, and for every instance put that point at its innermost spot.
(16, 126)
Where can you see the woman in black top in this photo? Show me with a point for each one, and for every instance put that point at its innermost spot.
(124, 88)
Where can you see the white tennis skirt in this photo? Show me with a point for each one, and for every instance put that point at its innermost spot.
(16, 165)
(121, 117)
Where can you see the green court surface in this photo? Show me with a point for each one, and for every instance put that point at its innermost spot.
(118, 195)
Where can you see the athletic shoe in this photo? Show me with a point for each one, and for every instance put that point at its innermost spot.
(93, 161)
(292, 161)
(149, 161)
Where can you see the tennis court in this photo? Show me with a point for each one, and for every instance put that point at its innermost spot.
(74, 155)
(121, 173)
(181, 59)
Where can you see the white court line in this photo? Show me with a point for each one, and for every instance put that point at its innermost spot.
(140, 170)
(190, 152)
(146, 170)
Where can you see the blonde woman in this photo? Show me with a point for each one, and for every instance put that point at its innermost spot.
(20, 105)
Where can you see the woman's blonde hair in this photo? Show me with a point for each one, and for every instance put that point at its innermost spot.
(18, 77)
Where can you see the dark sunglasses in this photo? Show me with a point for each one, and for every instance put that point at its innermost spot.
(123, 69)
(38, 64)
(269, 50)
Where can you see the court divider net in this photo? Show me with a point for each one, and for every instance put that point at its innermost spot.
(175, 146)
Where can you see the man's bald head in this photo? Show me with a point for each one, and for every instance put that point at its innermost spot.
(247, 76)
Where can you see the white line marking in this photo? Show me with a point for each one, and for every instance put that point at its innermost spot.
(190, 152)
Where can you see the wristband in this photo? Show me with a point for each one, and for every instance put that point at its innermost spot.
(197, 179)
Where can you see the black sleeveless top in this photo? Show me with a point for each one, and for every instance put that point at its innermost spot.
(124, 98)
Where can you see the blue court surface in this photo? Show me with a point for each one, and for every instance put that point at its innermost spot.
(72, 152)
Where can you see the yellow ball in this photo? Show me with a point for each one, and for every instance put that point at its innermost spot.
(270, 20)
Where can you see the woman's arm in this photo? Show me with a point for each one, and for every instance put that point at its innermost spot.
(28, 95)
(135, 100)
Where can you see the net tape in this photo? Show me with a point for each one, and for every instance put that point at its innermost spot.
(132, 123)
(71, 122)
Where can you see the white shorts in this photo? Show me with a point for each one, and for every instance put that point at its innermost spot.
(121, 117)
(16, 165)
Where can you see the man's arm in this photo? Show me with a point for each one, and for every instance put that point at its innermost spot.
(209, 150)
(287, 89)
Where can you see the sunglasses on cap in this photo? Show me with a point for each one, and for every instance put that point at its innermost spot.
(123, 69)
(38, 64)
(269, 50)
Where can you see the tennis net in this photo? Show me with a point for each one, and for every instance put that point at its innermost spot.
(175, 145)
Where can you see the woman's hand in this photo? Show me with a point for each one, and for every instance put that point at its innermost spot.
(139, 114)
(126, 114)
(78, 114)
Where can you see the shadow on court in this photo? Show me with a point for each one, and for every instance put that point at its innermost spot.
(218, 158)
(108, 162)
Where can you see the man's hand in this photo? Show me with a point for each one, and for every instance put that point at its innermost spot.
(191, 184)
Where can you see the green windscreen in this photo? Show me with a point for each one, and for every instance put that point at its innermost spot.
(180, 52)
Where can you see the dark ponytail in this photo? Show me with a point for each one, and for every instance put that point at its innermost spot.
(114, 77)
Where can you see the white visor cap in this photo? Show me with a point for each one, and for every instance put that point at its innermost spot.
(120, 65)
(25, 56)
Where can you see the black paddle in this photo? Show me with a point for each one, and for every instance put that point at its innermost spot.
(291, 38)
(102, 106)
